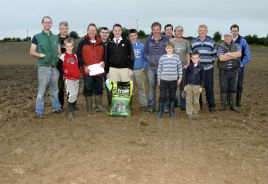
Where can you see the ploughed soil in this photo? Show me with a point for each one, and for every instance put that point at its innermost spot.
(222, 147)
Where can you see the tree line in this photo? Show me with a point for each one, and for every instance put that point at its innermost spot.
(251, 39)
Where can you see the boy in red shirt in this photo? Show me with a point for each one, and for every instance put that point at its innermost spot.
(71, 74)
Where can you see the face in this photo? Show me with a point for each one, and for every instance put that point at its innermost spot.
(91, 31)
(195, 58)
(156, 31)
(202, 32)
(47, 23)
(133, 37)
(64, 30)
(168, 31)
(69, 47)
(169, 49)
(228, 38)
(178, 33)
(104, 34)
(235, 32)
(117, 31)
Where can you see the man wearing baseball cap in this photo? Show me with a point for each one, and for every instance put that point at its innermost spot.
(228, 53)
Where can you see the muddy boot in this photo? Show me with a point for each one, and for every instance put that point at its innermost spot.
(75, 107)
(89, 104)
(233, 102)
(171, 109)
(223, 101)
(238, 98)
(160, 110)
(228, 99)
(70, 110)
(98, 104)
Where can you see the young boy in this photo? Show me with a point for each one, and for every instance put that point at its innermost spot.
(194, 84)
(169, 75)
(71, 74)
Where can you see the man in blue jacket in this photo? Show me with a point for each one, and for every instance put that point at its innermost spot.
(154, 48)
(244, 59)
(139, 67)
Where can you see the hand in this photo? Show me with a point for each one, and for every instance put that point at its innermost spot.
(102, 64)
(130, 73)
(41, 55)
(108, 76)
(241, 65)
(186, 66)
(200, 90)
(142, 69)
(185, 88)
(87, 70)
(178, 82)
(158, 83)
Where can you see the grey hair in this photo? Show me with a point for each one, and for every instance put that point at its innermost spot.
(63, 23)
(203, 26)
(156, 24)
(46, 17)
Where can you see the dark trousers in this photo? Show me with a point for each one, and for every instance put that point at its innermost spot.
(61, 89)
(240, 79)
(93, 85)
(168, 89)
(209, 87)
(228, 81)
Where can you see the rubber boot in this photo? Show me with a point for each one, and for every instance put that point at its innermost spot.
(70, 110)
(75, 108)
(160, 109)
(233, 102)
(98, 104)
(171, 109)
(238, 98)
(223, 101)
(228, 99)
(89, 104)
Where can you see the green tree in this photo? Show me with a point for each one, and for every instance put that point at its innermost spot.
(141, 34)
(217, 36)
(73, 34)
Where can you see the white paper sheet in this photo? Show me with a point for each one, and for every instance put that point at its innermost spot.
(95, 69)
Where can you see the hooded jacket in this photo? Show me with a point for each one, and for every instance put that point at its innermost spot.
(139, 62)
(245, 58)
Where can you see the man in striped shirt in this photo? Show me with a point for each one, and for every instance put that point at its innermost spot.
(169, 76)
(207, 49)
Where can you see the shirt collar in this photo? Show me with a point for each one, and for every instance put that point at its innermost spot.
(119, 39)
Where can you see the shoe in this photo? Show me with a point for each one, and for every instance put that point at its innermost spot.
(57, 111)
(183, 109)
(39, 116)
(160, 110)
(233, 102)
(143, 108)
(212, 109)
(75, 107)
(150, 110)
(190, 116)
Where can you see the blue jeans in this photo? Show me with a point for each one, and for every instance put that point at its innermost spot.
(152, 81)
(47, 76)
(139, 78)
(209, 87)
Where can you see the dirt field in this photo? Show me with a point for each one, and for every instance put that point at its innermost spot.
(223, 147)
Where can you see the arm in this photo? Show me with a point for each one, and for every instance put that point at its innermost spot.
(146, 51)
(59, 50)
(159, 70)
(188, 57)
(247, 56)
(234, 55)
(34, 53)
(132, 57)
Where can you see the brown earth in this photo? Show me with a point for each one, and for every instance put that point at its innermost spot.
(223, 147)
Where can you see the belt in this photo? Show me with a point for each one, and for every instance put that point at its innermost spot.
(50, 66)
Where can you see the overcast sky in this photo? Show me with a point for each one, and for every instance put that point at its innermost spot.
(251, 15)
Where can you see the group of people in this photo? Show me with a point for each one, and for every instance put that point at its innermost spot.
(171, 62)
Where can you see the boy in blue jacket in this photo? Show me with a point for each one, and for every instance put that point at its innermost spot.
(139, 67)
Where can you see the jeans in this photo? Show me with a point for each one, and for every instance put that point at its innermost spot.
(139, 78)
(152, 81)
(209, 87)
(228, 81)
(61, 89)
(47, 76)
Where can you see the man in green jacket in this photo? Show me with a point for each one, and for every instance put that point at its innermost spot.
(46, 49)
